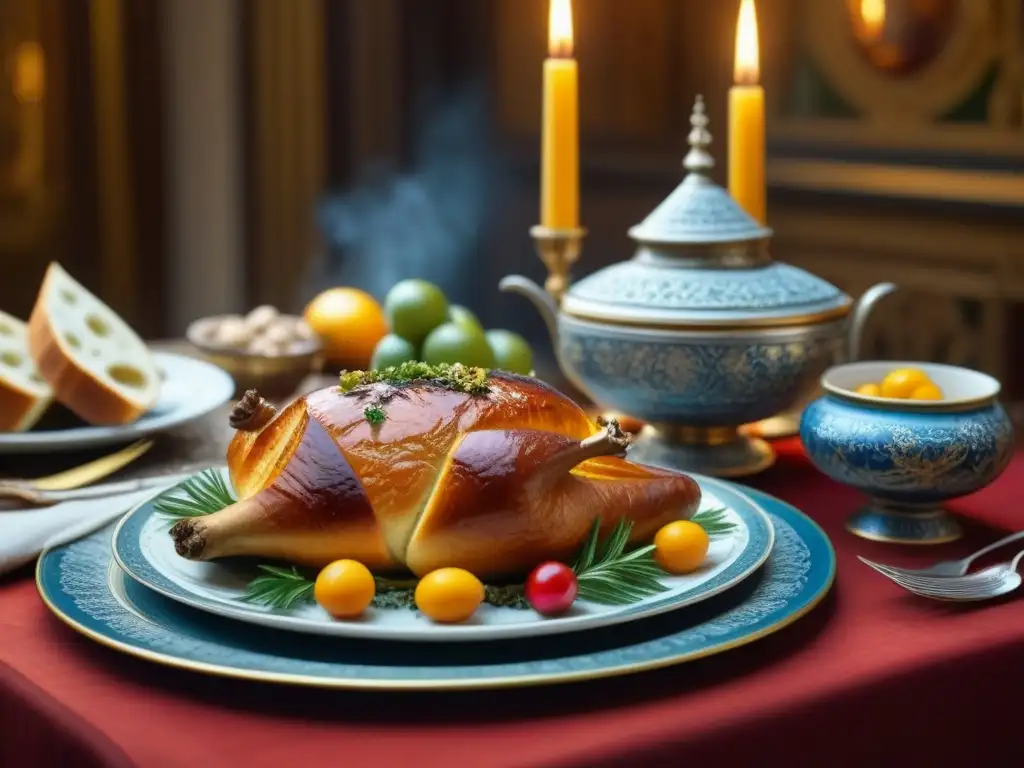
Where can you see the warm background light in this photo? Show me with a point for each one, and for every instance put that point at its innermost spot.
(560, 28)
(872, 13)
(29, 80)
(747, 67)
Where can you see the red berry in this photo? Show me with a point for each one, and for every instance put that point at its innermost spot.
(551, 588)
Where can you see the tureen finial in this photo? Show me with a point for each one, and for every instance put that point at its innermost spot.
(698, 159)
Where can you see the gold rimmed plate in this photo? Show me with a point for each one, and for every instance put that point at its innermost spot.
(144, 550)
(82, 586)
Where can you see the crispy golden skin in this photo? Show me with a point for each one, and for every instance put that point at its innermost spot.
(494, 483)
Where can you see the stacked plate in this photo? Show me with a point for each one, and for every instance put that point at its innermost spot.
(125, 587)
(189, 390)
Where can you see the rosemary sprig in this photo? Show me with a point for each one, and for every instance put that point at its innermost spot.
(715, 522)
(607, 574)
(279, 588)
(197, 496)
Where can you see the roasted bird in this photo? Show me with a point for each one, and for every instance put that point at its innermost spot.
(490, 472)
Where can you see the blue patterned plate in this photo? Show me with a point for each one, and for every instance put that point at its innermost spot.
(144, 550)
(80, 583)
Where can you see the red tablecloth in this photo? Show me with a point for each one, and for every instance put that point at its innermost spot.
(871, 676)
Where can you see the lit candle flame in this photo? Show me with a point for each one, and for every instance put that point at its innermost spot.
(560, 29)
(872, 13)
(747, 68)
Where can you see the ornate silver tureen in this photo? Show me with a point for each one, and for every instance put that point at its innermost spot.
(700, 331)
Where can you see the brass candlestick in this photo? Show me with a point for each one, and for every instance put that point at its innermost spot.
(559, 249)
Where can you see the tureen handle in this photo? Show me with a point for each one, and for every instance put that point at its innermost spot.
(861, 313)
(540, 299)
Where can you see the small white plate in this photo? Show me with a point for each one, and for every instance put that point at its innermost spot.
(190, 390)
(144, 550)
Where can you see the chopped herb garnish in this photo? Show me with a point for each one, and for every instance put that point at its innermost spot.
(457, 377)
(284, 588)
(375, 414)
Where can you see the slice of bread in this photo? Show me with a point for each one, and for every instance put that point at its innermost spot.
(24, 394)
(96, 364)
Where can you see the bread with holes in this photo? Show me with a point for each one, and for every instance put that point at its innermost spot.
(97, 366)
(24, 394)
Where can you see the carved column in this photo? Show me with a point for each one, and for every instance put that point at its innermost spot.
(205, 137)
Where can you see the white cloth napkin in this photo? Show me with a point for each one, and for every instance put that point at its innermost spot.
(26, 533)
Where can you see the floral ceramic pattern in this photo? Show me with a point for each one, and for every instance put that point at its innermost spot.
(77, 582)
(907, 457)
(698, 210)
(772, 287)
(700, 383)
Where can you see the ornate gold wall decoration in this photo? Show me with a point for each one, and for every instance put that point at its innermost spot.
(903, 60)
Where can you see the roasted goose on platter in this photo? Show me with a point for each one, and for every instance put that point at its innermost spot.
(485, 471)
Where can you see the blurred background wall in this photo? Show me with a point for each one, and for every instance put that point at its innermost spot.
(193, 156)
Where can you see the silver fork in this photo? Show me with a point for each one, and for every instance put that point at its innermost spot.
(994, 581)
(949, 567)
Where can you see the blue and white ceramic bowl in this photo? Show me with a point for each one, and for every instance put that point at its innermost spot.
(908, 456)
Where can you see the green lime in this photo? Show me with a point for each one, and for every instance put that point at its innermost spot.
(461, 316)
(392, 350)
(511, 351)
(451, 343)
(414, 308)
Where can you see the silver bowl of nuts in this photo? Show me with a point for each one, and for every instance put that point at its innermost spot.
(264, 349)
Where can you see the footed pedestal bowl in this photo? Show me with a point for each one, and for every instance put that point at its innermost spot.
(908, 456)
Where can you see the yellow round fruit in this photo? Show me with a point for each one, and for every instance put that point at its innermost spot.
(870, 389)
(344, 588)
(681, 547)
(350, 322)
(927, 391)
(901, 382)
(449, 595)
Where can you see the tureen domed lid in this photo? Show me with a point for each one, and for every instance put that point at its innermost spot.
(698, 210)
(703, 261)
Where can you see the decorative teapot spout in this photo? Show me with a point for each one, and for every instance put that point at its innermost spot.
(859, 317)
(540, 299)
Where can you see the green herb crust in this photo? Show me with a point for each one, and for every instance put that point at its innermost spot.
(457, 377)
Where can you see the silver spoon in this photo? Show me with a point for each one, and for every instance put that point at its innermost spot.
(994, 581)
(951, 567)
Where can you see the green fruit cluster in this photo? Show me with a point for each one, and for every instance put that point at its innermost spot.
(426, 328)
